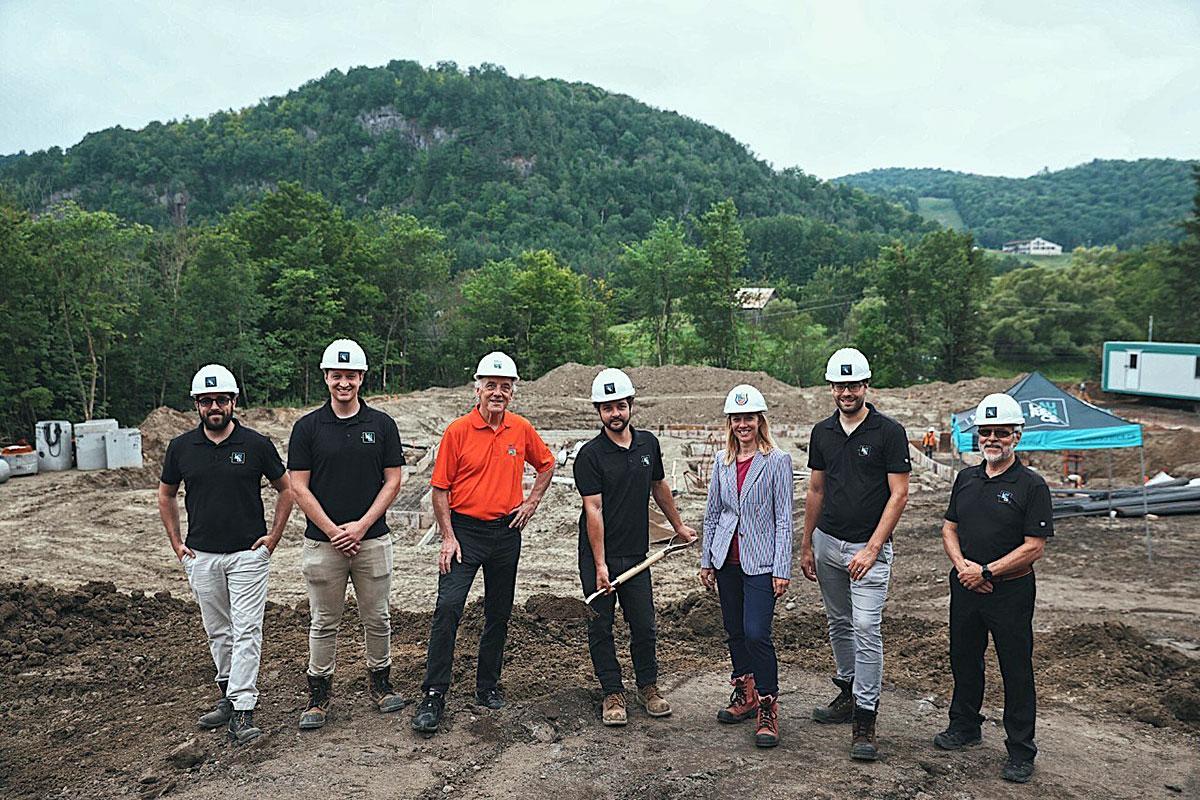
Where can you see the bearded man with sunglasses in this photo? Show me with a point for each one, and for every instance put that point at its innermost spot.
(227, 554)
(996, 526)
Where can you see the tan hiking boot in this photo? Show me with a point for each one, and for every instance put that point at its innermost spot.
(655, 704)
(767, 732)
(382, 694)
(743, 701)
(613, 711)
(318, 704)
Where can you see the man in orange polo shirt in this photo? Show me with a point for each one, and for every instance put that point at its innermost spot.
(480, 511)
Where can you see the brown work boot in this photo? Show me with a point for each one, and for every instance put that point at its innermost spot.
(767, 734)
(651, 699)
(612, 712)
(318, 703)
(863, 746)
(743, 701)
(382, 694)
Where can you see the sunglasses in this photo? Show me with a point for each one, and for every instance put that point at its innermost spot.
(209, 402)
(997, 433)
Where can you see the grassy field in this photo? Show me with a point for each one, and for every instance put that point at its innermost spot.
(941, 210)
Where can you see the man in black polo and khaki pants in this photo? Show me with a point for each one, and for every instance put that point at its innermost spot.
(996, 526)
(227, 555)
(345, 460)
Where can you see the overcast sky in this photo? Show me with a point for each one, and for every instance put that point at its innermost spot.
(831, 86)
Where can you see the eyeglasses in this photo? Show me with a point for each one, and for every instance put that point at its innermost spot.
(209, 402)
(997, 433)
(851, 387)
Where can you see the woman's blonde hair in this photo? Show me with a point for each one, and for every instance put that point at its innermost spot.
(765, 443)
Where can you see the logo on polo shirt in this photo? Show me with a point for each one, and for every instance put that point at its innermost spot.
(512, 449)
(1005, 496)
(368, 437)
(237, 457)
(343, 356)
(847, 369)
(645, 461)
(741, 398)
(864, 450)
(210, 381)
(610, 388)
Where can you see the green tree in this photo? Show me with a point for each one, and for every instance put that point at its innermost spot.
(654, 274)
(954, 278)
(712, 302)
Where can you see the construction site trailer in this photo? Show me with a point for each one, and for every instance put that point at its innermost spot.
(1152, 369)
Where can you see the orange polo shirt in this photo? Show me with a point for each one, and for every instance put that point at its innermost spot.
(482, 468)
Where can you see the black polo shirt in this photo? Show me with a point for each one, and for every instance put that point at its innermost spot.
(856, 471)
(222, 486)
(994, 515)
(346, 458)
(622, 478)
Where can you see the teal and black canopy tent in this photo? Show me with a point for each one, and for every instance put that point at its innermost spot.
(1054, 420)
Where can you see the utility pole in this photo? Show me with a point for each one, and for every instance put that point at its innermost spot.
(1150, 329)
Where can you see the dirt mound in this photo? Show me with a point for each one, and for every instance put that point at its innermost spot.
(551, 606)
(158, 429)
(573, 380)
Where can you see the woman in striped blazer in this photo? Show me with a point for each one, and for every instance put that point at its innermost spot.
(747, 555)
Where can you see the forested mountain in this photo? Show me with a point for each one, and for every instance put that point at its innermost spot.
(499, 164)
(1122, 203)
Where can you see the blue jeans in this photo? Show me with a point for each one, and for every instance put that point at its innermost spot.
(747, 607)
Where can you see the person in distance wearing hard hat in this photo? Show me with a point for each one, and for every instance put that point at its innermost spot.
(227, 555)
(856, 493)
(480, 511)
(747, 555)
(996, 526)
(345, 459)
(616, 473)
(929, 442)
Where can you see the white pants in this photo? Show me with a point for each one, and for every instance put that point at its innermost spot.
(231, 589)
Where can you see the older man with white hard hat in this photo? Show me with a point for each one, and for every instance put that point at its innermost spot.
(480, 511)
(616, 473)
(996, 527)
(346, 463)
(227, 554)
(856, 493)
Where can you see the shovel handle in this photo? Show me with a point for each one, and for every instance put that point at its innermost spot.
(641, 566)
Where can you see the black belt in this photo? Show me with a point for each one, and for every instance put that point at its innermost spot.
(500, 522)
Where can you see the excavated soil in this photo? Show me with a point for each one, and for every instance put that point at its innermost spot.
(103, 664)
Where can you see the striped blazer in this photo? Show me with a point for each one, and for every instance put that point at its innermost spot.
(762, 516)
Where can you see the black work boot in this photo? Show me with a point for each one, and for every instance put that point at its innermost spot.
(491, 698)
(840, 709)
(429, 713)
(319, 701)
(1017, 771)
(221, 713)
(954, 739)
(863, 746)
(241, 727)
(384, 696)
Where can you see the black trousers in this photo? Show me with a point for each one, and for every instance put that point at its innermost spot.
(637, 605)
(496, 548)
(1006, 613)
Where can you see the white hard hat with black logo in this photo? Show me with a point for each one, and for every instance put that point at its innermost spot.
(213, 378)
(496, 365)
(847, 365)
(610, 385)
(344, 354)
(744, 399)
(999, 409)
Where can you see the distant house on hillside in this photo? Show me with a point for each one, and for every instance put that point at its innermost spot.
(751, 300)
(1036, 246)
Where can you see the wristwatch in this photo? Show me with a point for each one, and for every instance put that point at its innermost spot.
(987, 574)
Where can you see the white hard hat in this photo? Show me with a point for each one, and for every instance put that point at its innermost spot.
(611, 384)
(213, 378)
(496, 365)
(344, 354)
(846, 366)
(744, 399)
(999, 409)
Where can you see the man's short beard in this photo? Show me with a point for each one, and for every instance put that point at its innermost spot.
(1006, 452)
(858, 404)
(225, 417)
(624, 423)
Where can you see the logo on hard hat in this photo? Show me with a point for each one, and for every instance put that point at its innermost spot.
(343, 356)
(368, 437)
(741, 398)
(237, 458)
(847, 369)
(990, 412)
(210, 381)
(1005, 496)
(610, 388)
(1050, 411)
(645, 461)
(496, 363)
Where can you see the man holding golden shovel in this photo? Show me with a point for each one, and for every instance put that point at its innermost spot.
(616, 473)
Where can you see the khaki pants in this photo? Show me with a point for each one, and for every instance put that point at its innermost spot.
(326, 572)
(231, 590)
